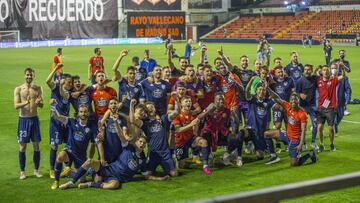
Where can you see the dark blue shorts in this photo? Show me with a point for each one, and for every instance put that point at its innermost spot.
(283, 137)
(107, 174)
(58, 132)
(292, 148)
(163, 158)
(78, 161)
(279, 116)
(183, 151)
(28, 128)
(258, 140)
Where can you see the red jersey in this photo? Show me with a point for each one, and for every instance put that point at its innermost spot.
(101, 99)
(327, 92)
(295, 119)
(97, 63)
(230, 89)
(210, 89)
(216, 123)
(183, 119)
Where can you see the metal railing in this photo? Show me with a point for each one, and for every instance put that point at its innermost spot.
(288, 191)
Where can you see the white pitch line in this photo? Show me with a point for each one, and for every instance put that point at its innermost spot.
(355, 122)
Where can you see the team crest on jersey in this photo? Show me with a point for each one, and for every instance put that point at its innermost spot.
(64, 101)
(111, 128)
(155, 128)
(83, 99)
(291, 120)
(132, 164)
(102, 102)
(157, 93)
(245, 77)
(279, 89)
(78, 136)
(261, 111)
(285, 83)
(208, 88)
(163, 86)
(297, 73)
(87, 130)
(225, 88)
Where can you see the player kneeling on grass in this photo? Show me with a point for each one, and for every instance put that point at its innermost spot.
(120, 171)
(217, 128)
(155, 129)
(81, 131)
(185, 136)
(296, 129)
(258, 119)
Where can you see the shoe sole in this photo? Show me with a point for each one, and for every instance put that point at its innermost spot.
(272, 162)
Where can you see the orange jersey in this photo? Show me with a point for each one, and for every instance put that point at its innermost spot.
(182, 120)
(97, 63)
(295, 119)
(56, 60)
(101, 99)
(230, 89)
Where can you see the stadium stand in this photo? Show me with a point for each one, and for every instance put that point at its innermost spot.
(336, 2)
(292, 27)
(275, 3)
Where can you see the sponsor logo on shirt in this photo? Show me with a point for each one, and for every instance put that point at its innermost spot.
(291, 120)
(157, 93)
(261, 111)
(280, 89)
(132, 164)
(102, 102)
(78, 136)
(83, 99)
(156, 127)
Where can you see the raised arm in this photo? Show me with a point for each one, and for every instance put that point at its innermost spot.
(248, 88)
(275, 96)
(169, 56)
(225, 59)
(176, 112)
(343, 73)
(115, 68)
(100, 138)
(55, 114)
(49, 80)
(119, 130)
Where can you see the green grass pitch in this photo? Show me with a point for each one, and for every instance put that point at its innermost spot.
(192, 184)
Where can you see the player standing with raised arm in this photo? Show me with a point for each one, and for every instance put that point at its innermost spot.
(128, 87)
(60, 95)
(27, 98)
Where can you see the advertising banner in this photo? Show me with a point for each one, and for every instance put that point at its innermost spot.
(156, 24)
(53, 19)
